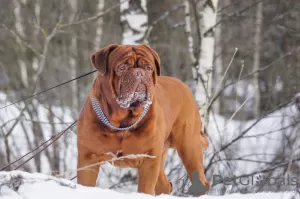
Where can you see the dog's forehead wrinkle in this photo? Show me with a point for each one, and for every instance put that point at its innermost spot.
(143, 61)
(132, 54)
(143, 52)
(127, 58)
(121, 54)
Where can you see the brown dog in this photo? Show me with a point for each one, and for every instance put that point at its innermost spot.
(129, 90)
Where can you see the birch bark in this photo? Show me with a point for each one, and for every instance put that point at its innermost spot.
(256, 57)
(20, 30)
(73, 55)
(204, 83)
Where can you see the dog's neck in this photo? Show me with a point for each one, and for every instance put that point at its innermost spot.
(118, 116)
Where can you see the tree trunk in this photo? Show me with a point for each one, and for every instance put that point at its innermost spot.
(20, 30)
(218, 70)
(99, 29)
(188, 32)
(204, 83)
(111, 30)
(36, 31)
(73, 56)
(99, 25)
(133, 30)
(256, 57)
(168, 37)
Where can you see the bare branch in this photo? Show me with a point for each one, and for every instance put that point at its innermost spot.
(23, 40)
(92, 18)
(162, 17)
(247, 76)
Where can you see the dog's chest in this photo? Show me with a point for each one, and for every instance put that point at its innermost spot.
(123, 149)
(130, 143)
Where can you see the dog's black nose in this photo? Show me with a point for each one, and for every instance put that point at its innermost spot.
(139, 73)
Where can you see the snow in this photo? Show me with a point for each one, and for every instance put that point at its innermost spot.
(126, 101)
(265, 138)
(18, 185)
(23, 132)
(136, 21)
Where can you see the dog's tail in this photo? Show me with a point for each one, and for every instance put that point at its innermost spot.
(204, 139)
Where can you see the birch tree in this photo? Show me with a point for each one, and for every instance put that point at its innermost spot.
(73, 55)
(99, 28)
(218, 69)
(256, 57)
(167, 36)
(111, 26)
(202, 60)
(37, 12)
(20, 30)
(99, 25)
(204, 86)
(133, 29)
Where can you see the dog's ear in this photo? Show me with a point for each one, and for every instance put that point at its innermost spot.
(100, 58)
(156, 58)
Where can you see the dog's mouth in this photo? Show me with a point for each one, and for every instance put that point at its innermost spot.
(138, 97)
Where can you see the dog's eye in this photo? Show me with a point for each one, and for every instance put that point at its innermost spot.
(122, 68)
(147, 67)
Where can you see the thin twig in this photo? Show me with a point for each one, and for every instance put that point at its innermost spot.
(160, 18)
(53, 137)
(239, 108)
(94, 17)
(241, 71)
(234, 14)
(244, 133)
(247, 76)
(114, 158)
(131, 156)
(52, 141)
(23, 41)
(45, 53)
(223, 77)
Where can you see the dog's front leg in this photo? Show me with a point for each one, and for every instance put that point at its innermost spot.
(87, 167)
(148, 174)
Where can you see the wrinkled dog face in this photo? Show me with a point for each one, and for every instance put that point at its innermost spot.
(131, 73)
(134, 82)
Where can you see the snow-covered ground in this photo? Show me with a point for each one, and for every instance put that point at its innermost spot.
(19, 185)
(258, 144)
